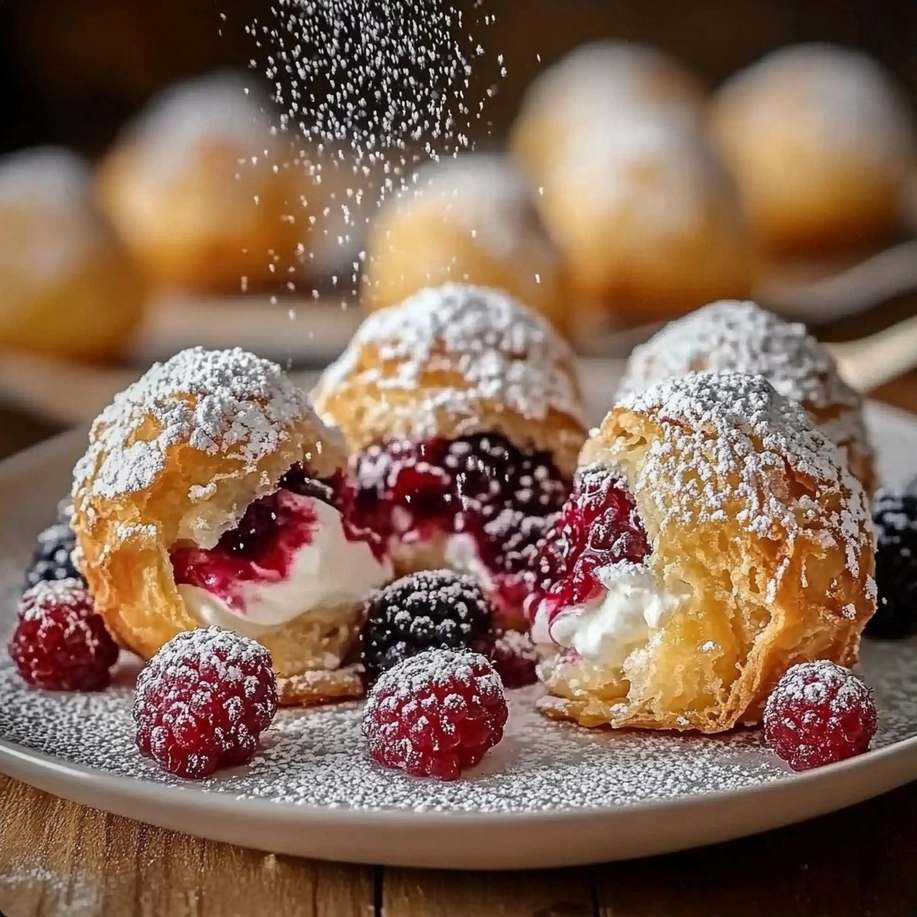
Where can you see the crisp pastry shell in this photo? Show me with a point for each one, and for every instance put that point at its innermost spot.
(820, 599)
(124, 545)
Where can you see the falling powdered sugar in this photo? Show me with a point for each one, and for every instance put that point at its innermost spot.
(216, 402)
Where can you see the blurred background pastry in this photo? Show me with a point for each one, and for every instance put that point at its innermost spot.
(602, 76)
(466, 220)
(67, 286)
(646, 217)
(205, 192)
(821, 142)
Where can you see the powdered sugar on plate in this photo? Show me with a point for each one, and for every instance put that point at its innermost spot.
(315, 757)
(505, 352)
(212, 400)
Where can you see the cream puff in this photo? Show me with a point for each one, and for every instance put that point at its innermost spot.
(714, 539)
(206, 194)
(69, 287)
(591, 81)
(211, 493)
(646, 217)
(463, 416)
(731, 336)
(821, 143)
(468, 220)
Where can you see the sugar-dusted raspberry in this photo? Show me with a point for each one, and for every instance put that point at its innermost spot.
(434, 609)
(203, 701)
(515, 658)
(819, 713)
(895, 517)
(435, 714)
(60, 643)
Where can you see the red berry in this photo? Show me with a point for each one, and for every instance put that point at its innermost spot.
(435, 714)
(203, 701)
(60, 643)
(515, 658)
(819, 713)
(598, 526)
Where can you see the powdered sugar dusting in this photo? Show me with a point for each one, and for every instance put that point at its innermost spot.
(316, 758)
(504, 351)
(742, 337)
(748, 431)
(217, 401)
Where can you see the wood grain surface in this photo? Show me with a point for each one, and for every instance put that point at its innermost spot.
(58, 859)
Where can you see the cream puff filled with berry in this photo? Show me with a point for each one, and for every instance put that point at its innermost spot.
(735, 336)
(463, 417)
(714, 539)
(211, 493)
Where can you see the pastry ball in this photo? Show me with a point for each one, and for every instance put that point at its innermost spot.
(592, 80)
(715, 538)
(463, 416)
(211, 493)
(821, 142)
(67, 286)
(205, 194)
(646, 217)
(468, 220)
(742, 337)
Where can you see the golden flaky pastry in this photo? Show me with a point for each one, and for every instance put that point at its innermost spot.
(470, 220)
(463, 416)
(452, 361)
(732, 336)
(172, 465)
(760, 556)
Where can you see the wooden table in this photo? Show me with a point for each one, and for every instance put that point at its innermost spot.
(58, 859)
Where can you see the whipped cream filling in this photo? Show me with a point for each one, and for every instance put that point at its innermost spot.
(621, 618)
(325, 572)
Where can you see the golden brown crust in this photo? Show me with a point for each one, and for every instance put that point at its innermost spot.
(754, 511)
(442, 364)
(178, 457)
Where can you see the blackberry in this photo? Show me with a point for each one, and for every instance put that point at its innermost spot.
(895, 516)
(52, 558)
(435, 609)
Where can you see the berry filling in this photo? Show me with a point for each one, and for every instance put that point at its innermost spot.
(501, 497)
(598, 527)
(274, 529)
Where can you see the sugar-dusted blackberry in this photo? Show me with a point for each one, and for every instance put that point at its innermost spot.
(435, 609)
(52, 558)
(895, 516)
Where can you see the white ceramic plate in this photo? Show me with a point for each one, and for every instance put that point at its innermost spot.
(550, 795)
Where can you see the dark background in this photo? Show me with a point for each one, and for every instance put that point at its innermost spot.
(71, 71)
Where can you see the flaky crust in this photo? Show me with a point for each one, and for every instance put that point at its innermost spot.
(776, 547)
(188, 486)
(384, 388)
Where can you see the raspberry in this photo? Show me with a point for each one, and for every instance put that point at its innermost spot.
(430, 610)
(819, 713)
(515, 658)
(435, 714)
(60, 643)
(203, 701)
(598, 526)
(52, 558)
(895, 516)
